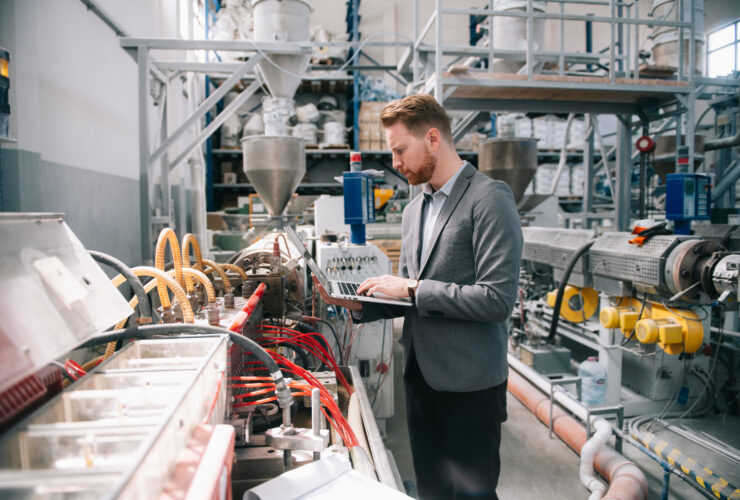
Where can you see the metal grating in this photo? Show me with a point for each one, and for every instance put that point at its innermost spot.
(565, 244)
(612, 255)
(537, 244)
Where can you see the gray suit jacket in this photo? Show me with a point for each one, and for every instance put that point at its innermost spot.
(468, 287)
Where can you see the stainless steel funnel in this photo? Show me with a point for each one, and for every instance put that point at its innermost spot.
(513, 161)
(282, 21)
(275, 167)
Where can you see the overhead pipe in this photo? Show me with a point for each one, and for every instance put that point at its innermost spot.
(732, 174)
(563, 155)
(626, 480)
(727, 142)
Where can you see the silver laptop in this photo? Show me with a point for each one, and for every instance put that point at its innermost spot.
(340, 289)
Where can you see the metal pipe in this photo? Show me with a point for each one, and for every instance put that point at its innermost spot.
(727, 142)
(438, 70)
(93, 7)
(200, 112)
(563, 155)
(732, 174)
(218, 121)
(626, 480)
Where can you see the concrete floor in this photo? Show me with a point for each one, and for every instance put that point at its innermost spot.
(533, 465)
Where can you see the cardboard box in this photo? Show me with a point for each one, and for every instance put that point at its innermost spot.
(370, 111)
(229, 178)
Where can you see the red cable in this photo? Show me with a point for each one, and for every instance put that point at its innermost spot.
(215, 399)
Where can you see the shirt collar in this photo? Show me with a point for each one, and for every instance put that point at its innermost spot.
(447, 188)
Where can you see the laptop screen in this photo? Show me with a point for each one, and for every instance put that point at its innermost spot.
(298, 243)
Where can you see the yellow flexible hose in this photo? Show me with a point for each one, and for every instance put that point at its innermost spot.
(236, 269)
(220, 271)
(187, 241)
(167, 235)
(164, 297)
(182, 298)
(203, 279)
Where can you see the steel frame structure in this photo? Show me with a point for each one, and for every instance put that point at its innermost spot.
(154, 71)
(623, 72)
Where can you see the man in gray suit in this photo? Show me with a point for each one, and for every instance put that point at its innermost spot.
(460, 251)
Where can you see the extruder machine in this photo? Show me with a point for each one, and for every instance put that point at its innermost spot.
(193, 379)
(652, 306)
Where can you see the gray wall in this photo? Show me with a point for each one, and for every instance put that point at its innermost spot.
(74, 114)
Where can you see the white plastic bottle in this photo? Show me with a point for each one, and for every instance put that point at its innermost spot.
(593, 381)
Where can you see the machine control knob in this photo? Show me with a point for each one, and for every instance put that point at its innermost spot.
(647, 331)
(609, 317)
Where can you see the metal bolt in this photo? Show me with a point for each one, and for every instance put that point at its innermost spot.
(684, 273)
(212, 315)
(698, 249)
(168, 315)
(229, 301)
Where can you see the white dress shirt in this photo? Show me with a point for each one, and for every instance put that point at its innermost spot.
(432, 208)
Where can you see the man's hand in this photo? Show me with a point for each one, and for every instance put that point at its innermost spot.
(389, 285)
(352, 305)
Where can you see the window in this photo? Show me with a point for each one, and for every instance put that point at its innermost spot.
(723, 50)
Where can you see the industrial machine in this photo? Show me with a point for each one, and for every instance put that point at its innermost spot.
(230, 387)
(654, 297)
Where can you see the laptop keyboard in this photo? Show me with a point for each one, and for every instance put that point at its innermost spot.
(347, 288)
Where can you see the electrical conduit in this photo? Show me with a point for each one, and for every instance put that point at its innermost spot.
(167, 235)
(182, 298)
(219, 270)
(187, 241)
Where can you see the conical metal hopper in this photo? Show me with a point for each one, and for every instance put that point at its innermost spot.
(275, 167)
(282, 21)
(513, 161)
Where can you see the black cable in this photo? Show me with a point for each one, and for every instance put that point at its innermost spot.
(134, 282)
(300, 351)
(642, 308)
(334, 333)
(306, 328)
(561, 288)
(148, 331)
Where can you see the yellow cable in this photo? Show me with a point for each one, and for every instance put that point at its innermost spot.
(233, 267)
(167, 235)
(220, 271)
(173, 285)
(187, 241)
(203, 279)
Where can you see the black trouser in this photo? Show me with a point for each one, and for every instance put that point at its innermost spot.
(455, 438)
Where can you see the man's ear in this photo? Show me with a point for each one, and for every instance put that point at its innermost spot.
(434, 139)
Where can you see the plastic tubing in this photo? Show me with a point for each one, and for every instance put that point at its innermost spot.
(187, 241)
(173, 285)
(282, 391)
(217, 267)
(202, 278)
(167, 235)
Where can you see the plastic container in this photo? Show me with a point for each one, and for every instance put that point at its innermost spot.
(593, 381)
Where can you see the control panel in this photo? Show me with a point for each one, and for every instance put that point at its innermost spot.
(369, 346)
